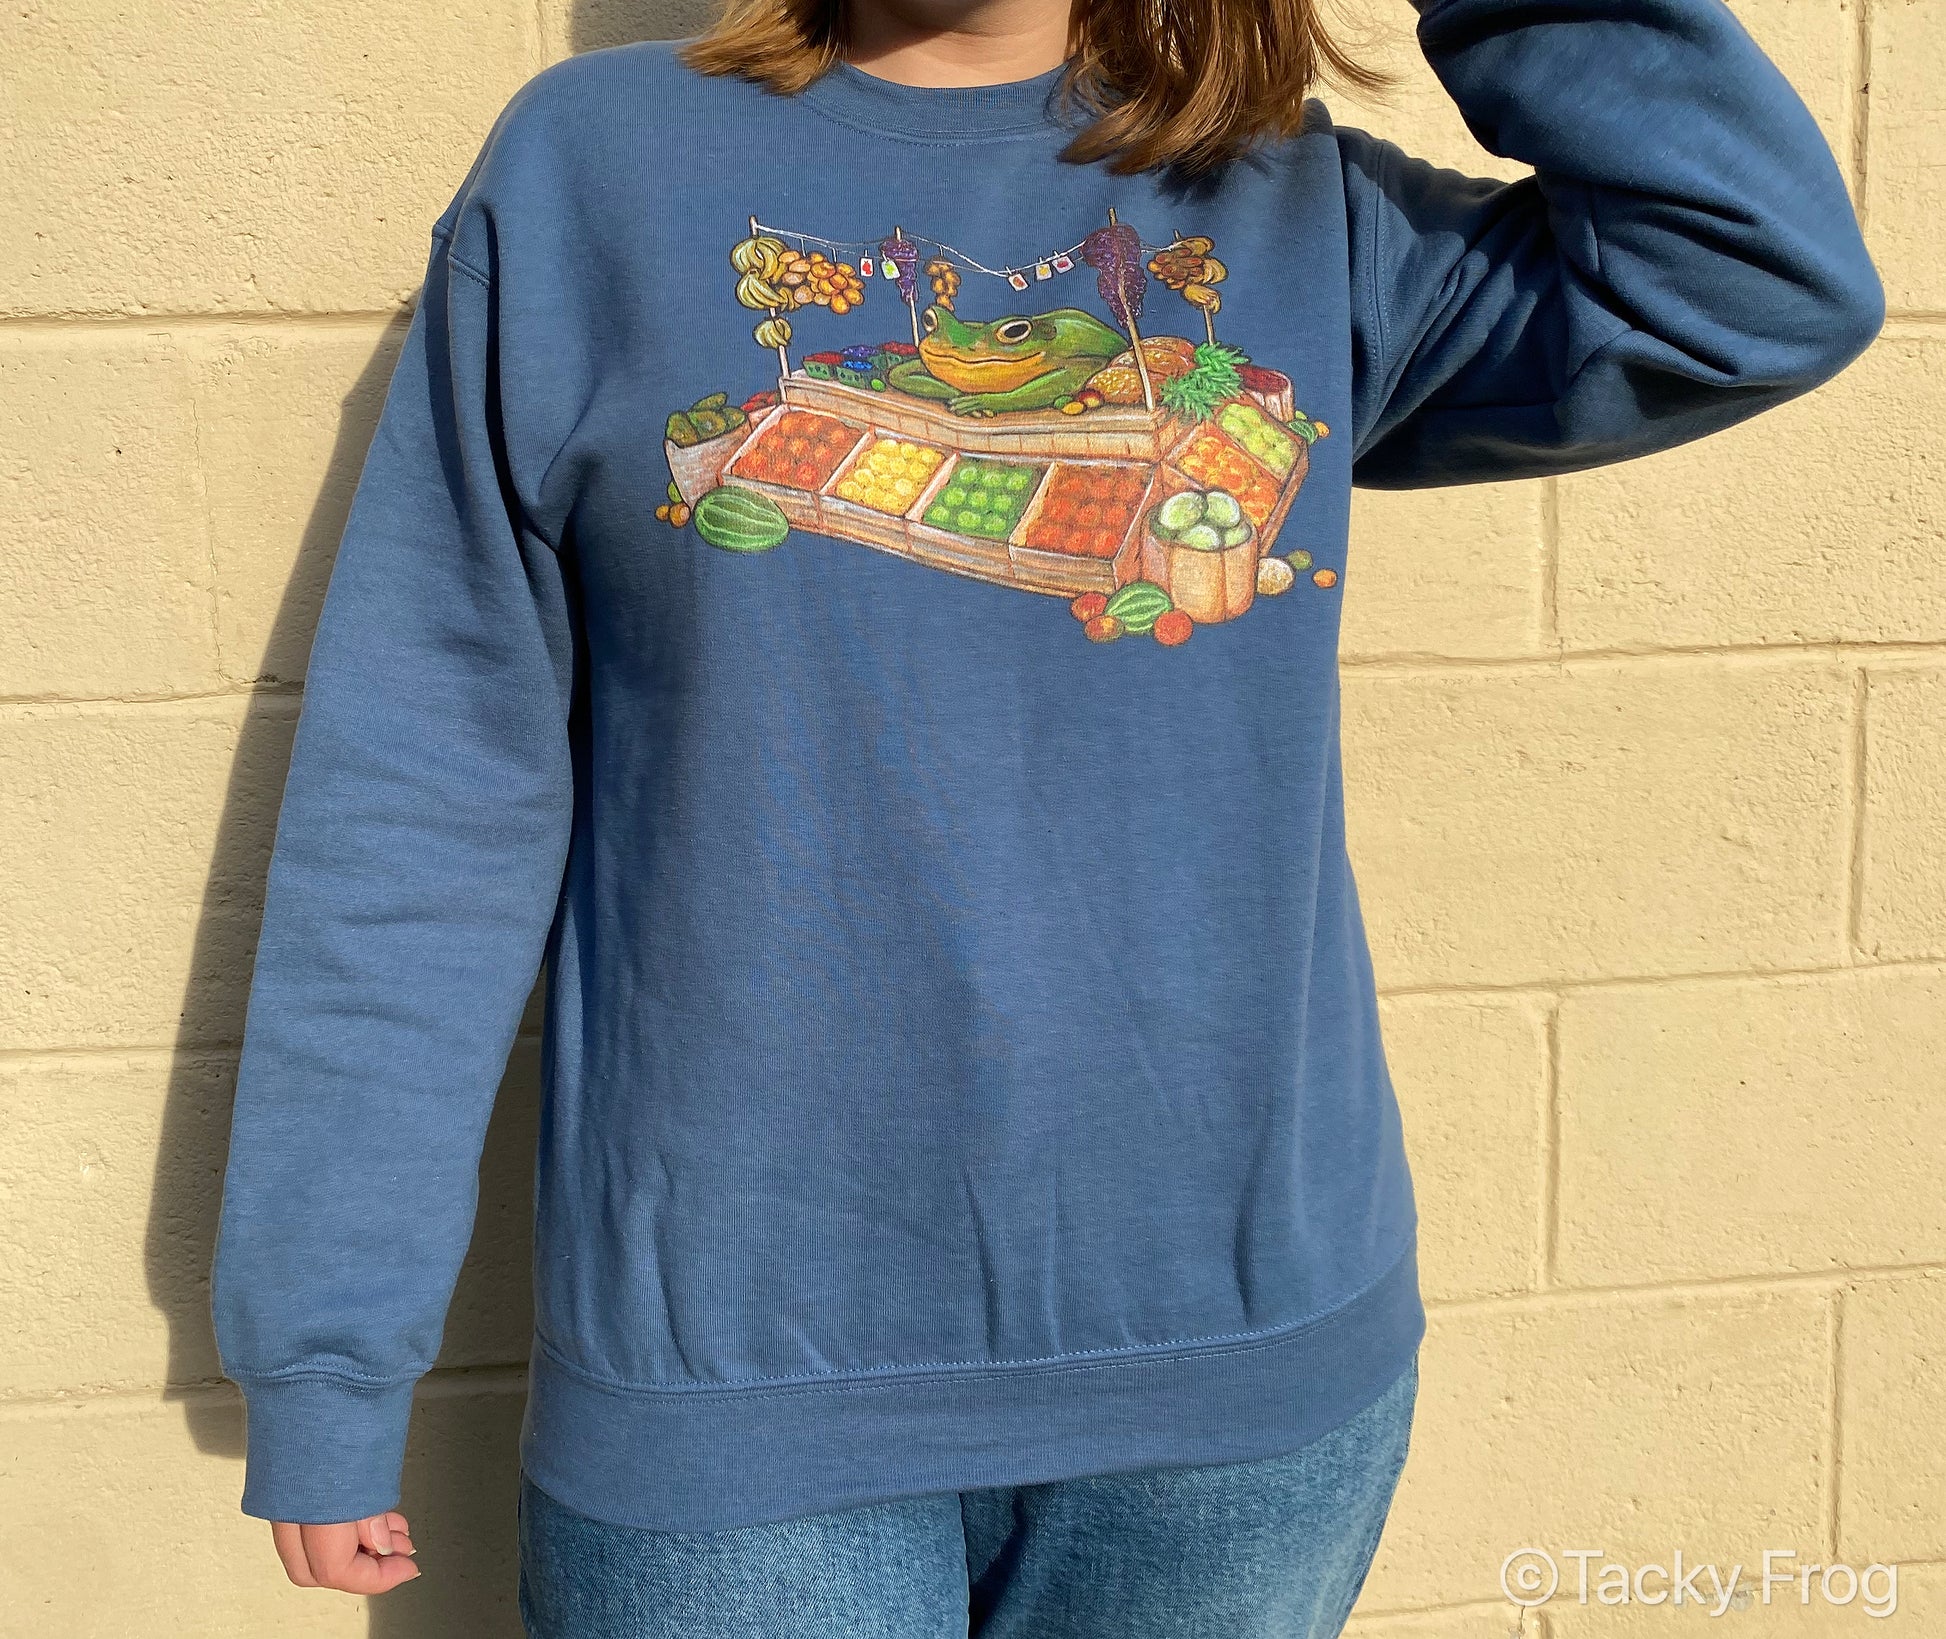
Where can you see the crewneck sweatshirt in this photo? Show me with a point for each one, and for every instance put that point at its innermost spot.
(899, 717)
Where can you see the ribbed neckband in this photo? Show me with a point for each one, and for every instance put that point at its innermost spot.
(927, 113)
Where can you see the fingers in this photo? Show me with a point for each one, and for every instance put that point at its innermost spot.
(385, 1534)
(368, 1556)
(290, 1549)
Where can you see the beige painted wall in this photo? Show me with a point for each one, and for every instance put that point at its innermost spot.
(1644, 771)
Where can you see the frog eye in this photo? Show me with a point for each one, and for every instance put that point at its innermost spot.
(1013, 331)
(929, 320)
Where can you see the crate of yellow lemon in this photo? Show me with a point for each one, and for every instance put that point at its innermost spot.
(871, 498)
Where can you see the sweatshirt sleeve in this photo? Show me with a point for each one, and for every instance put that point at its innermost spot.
(412, 885)
(1683, 257)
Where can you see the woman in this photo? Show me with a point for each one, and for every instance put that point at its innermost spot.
(970, 1195)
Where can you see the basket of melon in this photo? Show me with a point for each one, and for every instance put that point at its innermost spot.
(1201, 549)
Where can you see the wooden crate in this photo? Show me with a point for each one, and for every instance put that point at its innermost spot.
(1267, 535)
(1011, 562)
(805, 509)
(1288, 486)
(1046, 571)
(890, 532)
(980, 556)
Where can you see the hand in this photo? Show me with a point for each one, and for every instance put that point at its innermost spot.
(364, 1556)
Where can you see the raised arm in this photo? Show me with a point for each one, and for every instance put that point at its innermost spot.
(413, 882)
(1684, 256)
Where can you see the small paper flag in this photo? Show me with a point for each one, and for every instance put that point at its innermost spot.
(1064, 263)
(888, 269)
(1017, 280)
(1043, 271)
(865, 266)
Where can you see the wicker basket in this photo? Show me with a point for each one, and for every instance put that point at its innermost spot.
(698, 468)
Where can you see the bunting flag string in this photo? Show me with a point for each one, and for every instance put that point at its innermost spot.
(1019, 277)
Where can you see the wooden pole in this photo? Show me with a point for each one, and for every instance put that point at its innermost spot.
(1135, 338)
(783, 358)
(912, 301)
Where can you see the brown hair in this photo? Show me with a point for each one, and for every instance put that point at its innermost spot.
(1182, 84)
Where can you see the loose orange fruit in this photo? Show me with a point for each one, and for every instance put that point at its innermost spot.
(1172, 628)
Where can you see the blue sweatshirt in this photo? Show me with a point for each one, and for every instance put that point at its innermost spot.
(900, 719)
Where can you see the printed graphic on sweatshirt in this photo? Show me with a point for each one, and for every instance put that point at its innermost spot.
(1145, 478)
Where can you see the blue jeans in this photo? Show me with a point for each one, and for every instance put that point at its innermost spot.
(1275, 1549)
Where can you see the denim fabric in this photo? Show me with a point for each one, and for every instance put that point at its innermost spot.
(1273, 1549)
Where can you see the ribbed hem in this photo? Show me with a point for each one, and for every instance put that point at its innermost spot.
(323, 1450)
(710, 1459)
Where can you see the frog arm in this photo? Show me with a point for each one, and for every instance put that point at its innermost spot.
(912, 376)
(1042, 393)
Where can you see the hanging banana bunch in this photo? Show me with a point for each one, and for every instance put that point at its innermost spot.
(760, 262)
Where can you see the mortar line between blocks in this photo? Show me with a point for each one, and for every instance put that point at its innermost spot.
(1551, 565)
(1547, 1275)
(94, 702)
(1861, 107)
(1857, 748)
(68, 325)
(1460, 1607)
(1405, 663)
(1816, 1281)
(1544, 987)
(1834, 1454)
(201, 477)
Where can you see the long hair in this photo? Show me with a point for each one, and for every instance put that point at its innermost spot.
(1180, 84)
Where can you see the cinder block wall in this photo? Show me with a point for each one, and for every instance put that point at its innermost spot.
(1645, 773)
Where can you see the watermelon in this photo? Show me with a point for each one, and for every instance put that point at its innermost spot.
(740, 520)
(1138, 604)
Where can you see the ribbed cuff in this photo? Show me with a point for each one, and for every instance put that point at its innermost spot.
(323, 1450)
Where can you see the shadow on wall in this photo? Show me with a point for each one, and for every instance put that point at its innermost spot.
(462, 1466)
(459, 1485)
(598, 23)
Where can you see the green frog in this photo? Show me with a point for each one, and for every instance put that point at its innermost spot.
(1037, 362)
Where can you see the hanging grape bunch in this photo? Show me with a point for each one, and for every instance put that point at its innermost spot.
(1115, 253)
(945, 280)
(759, 262)
(1187, 268)
(808, 277)
(902, 256)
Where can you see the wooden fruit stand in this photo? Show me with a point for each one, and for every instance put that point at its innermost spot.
(1143, 478)
(1153, 443)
